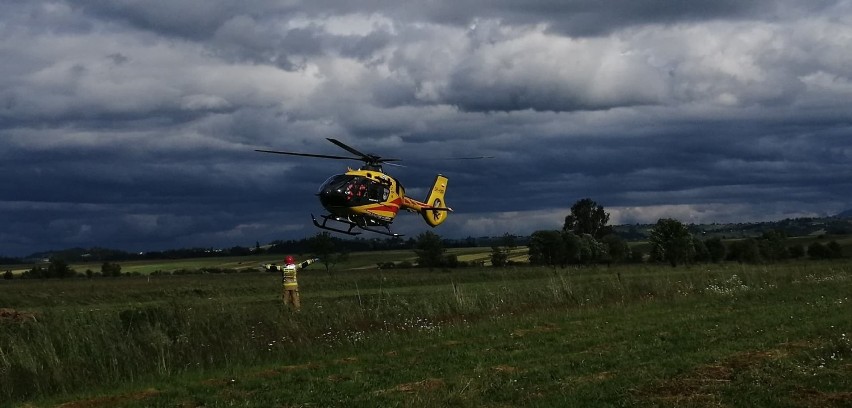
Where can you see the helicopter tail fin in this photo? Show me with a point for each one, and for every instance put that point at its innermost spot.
(435, 211)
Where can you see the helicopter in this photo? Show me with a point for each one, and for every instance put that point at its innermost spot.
(369, 199)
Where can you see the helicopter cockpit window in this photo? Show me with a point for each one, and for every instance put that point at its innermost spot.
(351, 190)
(336, 183)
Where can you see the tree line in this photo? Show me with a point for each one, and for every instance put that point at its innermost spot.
(586, 239)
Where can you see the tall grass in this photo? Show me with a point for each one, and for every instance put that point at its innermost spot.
(92, 333)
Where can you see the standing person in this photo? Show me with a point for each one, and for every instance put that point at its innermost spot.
(290, 286)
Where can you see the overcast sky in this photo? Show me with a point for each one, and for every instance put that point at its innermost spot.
(131, 124)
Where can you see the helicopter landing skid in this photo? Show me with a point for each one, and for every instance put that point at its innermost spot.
(326, 218)
(351, 224)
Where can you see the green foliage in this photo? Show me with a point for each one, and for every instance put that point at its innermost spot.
(636, 255)
(702, 254)
(429, 249)
(587, 217)
(585, 239)
(324, 246)
(744, 251)
(796, 251)
(617, 249)
(8, 275)
(773, 246)
(56, 268)
(716, 250)
(575, 250)
(546, 247)
(832, 250)
(59, 268)
(671, 242)
(500, 252)
(109, 269)
(591, 250)
(561, 248)
(499, 256)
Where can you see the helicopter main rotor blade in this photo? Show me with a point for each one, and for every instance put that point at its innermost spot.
(365, 157)
(322, 156)
(347, 147)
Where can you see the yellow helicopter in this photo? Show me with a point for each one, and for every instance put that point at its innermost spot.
(369, 199)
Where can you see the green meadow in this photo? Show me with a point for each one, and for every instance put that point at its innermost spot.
(632, 335)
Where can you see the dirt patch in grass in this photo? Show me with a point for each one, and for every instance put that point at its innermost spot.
(15, 316)
(806, 397)
(217, 382)
(599, 377)
(234, 394)
(337, 378)
(427, 385)
(347, 360)
(506, 369)
(274, 372)
(544, 328)
(571, 382)
(111, 400)
(701, 386)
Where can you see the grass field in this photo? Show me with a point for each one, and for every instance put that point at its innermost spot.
(642, 335)
(357, 260)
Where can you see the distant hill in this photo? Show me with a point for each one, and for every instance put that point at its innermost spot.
(793, 227)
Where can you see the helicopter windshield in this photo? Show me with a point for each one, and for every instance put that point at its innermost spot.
(349, 190)
(336, 183)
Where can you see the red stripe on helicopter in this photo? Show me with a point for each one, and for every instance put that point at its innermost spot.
(394, 207)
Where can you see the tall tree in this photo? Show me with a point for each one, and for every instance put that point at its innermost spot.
(499, 256)
(547, 248)
(324, 247)
(500, 253)
(616, 248)
(111, 269)
(58, 268)
(773, 246)
(572, 248)
(702, 254)
(429, 250)
(834, 250)
(587, 217)
(817, 250)
(745, 251)
(716, 249)
(671, 242)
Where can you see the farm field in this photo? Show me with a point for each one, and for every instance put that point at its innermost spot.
(639, 335)
(356, 260)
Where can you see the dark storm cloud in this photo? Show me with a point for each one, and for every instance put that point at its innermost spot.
(197, 19)
(132, 124)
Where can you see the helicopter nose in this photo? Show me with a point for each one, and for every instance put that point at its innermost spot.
(330, 198)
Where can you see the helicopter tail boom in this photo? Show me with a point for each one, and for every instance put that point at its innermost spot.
(434, 210)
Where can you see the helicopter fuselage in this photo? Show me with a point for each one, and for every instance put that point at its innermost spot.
(358, 194)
